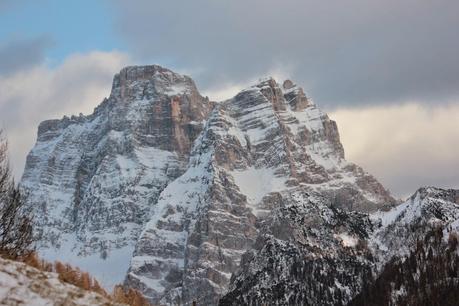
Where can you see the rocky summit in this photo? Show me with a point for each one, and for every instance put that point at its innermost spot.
(248, 201)
(93, 180)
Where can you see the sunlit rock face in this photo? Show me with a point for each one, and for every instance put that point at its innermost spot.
(167, 191)
(256, 151)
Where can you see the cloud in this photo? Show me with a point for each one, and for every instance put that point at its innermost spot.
(344, 52)
(406, 146)
(19, 54)
(227, 90)
(32, 95)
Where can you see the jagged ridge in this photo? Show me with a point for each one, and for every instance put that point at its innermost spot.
(297, 264)
(253, 145)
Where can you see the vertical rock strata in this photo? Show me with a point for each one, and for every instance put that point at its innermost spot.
(93, 180)
(255, 151)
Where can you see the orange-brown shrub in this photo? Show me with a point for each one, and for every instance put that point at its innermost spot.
(129, 296)
(33, 260)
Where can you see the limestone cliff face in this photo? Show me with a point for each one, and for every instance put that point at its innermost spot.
(93, 180)
(167, 190)
(168, 109)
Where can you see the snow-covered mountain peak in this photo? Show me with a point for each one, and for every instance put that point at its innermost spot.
(255, 153)
(424, 202)
(450, 195)
(399, 228)
(293, 95)
(163, 182)
(93, 179)
(143, 82)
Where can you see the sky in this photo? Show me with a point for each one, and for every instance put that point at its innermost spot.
(386, 71)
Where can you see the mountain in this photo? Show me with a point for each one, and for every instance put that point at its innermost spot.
(243, 201)
(92, 180)
(255, 150)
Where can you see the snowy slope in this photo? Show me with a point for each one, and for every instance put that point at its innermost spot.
(400, 228)
(23, 285)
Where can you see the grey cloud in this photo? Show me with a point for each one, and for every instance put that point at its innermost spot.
(343, 52)
(39, 93)
(21, 54)
(406, 146)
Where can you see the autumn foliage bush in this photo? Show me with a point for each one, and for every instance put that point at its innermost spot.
(129, 296)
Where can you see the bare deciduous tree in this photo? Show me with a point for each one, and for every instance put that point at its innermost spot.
(16, 234)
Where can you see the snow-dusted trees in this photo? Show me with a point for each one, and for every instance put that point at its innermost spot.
(429, 275)
(16, 236)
